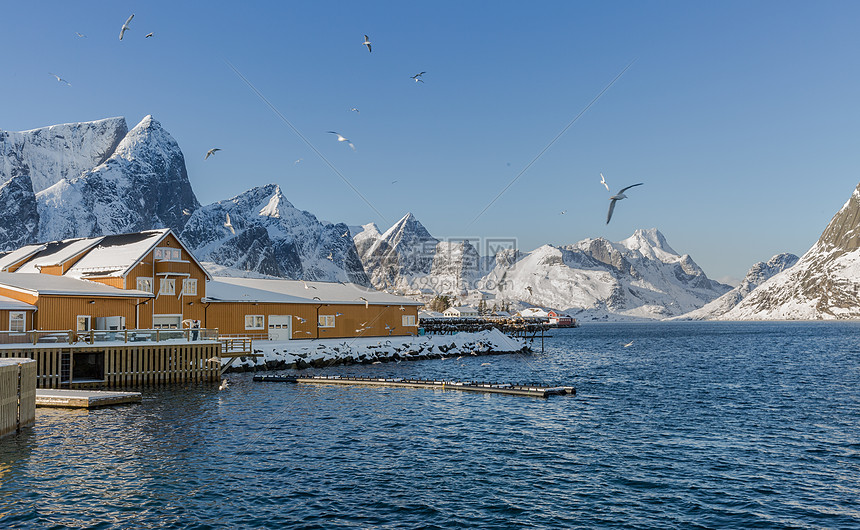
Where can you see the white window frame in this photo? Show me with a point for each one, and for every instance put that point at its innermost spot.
(18, 317)
(325, 321)
(253, 322)
(189, 287)
(408, 320)
(167, 286)
(86, 318)
(167, 254)
(146, 279)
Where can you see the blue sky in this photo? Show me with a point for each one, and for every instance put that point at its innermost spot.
(741, 118)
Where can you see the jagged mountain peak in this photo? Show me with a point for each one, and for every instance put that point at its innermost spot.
(650, 243)
(407, 227)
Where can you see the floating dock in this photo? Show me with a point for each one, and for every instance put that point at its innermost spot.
(470, 386)
(83, 399)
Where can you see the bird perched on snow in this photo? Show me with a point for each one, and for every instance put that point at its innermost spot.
(224, 383)
(148, 35)
(603, 181)
(229, 225)
(366, 303)
(417, 77)
(60, 79)
(211, 152)
(125, 26)
(617, 197)
(367, 43)
(308, 286)
(340, 138)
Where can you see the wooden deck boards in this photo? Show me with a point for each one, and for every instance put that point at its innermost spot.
(86, 399)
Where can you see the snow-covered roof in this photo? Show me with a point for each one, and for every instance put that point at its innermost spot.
(115, 255)
(226, 289)
(42, 284)
(429, 314)
(534, 312)
(463, 309)
(15, 305)
(11, 258)
(58, 252)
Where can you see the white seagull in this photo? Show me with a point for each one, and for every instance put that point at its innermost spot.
(345, 234)
(367, 43)
(300, 319)
(353, 109)
(628, 344)
(330, 257)
(224, 383)
(340, 138)
(617, 197)
(308, 286)
(211, 152)
(603, 181)
(229, 225)
(125, 26)
(80, 35)
(148, 35)
(366, 303)
(60, 79)
(417, 77)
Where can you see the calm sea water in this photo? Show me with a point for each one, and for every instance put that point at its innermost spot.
(694, 425)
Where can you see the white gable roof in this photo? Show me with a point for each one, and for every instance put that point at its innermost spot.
(11, 258)
(116, 254)
(226, 289)
(58, 252)
(15, 305)
(41, 284)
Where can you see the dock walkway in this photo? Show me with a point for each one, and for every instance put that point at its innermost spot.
(470, 386)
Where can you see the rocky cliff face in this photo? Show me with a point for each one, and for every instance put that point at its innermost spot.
(394, 259)
(272, 237)
(825, 282)
(757, 275)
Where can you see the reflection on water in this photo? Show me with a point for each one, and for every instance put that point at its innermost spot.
(714, 424)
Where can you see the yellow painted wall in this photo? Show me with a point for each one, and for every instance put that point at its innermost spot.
(60, 312)
(4, 319)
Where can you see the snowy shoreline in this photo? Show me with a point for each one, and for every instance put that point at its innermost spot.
(295, 354)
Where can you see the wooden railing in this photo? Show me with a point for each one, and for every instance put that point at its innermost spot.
(98, 336)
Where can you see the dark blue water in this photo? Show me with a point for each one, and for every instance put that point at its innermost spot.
(695, 425)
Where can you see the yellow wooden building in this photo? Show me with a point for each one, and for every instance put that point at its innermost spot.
(150, 280)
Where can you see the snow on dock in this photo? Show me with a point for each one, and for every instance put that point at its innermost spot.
(84, 399)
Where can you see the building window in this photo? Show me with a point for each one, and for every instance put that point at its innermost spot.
(167, 286)
(17, 320)
(167, 254)
(254, 322)
(408, 320)
(189, 287)
(326, 321)
(83, 323)
(144, 284)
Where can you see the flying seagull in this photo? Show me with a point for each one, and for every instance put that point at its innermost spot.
(563, 212)
(353, 109)
(340, 138)
(224, 383)
(330, 257)
(417, 77)
(628, 344)
(603, 181)
(148, 35)
(211, 152)
(60, 79)
(302, 320)
(229, 225)
(617, 197)
(367, 43)
(345, 234)
(186, 211)
(125, 26)
(297, 161)
(80, 35)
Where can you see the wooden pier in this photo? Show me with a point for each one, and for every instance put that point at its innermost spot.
(84, 399)
(469, 386)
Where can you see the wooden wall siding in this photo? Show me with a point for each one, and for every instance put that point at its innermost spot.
(17, 409)
(60, 312)
(229, 318)
(113, 281)
(127, 365)
(4, 318)
(18, 295)
(55, 270)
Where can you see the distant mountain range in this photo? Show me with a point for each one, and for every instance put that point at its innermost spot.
(95, 178)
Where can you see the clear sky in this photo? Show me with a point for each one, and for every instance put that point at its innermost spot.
(741, 118)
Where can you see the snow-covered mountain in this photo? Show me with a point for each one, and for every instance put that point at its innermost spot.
(270, 236)
(89, 179)
(394, 259)
(640, 277)
(757, 275)
(825, 282)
